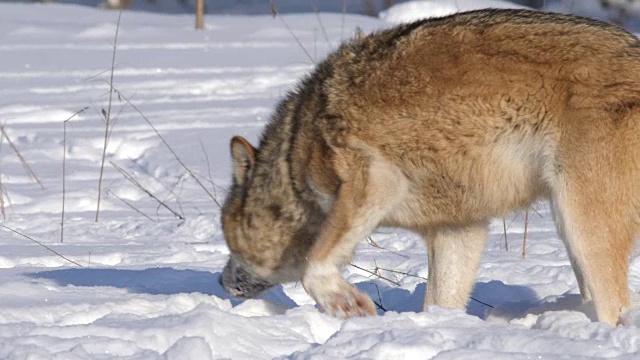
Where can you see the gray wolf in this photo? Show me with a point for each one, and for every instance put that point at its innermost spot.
(437, 126)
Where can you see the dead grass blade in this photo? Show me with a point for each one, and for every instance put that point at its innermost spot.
(2, 190)
(64, 168)
(524, 237)
(41, 244)
(275, 13)
(316, 10)
(32, 175)
(143, 189)
(131, 206)
(168, 147)
(107, 115)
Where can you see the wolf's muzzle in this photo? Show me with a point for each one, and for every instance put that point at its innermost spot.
(240, 283)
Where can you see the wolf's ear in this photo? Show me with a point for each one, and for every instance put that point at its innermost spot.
(244, 158)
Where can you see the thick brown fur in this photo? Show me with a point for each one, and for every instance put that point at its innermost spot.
(438, 126)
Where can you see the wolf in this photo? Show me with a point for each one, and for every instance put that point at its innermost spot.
(437, 126)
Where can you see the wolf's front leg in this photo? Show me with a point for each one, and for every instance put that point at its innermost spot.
(454, 256)
(370, 188)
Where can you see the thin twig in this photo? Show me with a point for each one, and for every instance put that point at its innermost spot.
(169, 147)
(371, 242)
(176, 196)
(145, 171)
(108, 115)
(403, 273)
(275, 13)
(379, 305)
(481, 302)
(535, 211)
(374, 274)
(344, 15)
(2, 209)
(424, 278)
(41, 244)
(130, 205)
(506, 241)
(210, 179)
(64, 168)
(170, 190)
(25, 165)
(143, 189)
(524, 237)
(316, 10)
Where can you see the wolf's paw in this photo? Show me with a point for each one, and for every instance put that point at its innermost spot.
(347, 303)
(335, 296)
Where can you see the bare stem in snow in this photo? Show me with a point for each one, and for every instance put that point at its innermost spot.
(316, 11)
(41, 244)
(143, 189)
(379, 302)
(506, 241)
(210, 178)
(2, 209)
(524, 237)
(376, 274)
(344, 15)
(64, 167)
(25, 165)
(169, 147)
(376, 245)
(107, 115)
(131, 206)
(424, 278)
(275, 13)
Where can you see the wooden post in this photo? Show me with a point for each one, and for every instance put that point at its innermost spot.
(199, 14)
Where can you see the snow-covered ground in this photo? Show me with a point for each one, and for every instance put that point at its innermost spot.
(145, 284)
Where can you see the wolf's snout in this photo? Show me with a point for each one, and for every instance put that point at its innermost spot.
(239, 283)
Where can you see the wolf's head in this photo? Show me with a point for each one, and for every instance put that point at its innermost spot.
(266, 228)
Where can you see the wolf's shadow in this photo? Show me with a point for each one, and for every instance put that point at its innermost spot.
(487, 297)
(154, 281)
(494, 297)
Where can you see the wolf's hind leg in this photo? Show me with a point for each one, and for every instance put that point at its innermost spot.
(370, 188)
(454, 256)
(592, 220)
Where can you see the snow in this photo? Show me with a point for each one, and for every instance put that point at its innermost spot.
(148, 286)
(416, 10)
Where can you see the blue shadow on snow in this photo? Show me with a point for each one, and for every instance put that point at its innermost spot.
(509, 300)
(155, 281)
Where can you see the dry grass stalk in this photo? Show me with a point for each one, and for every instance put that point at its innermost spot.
(143, 189)
(375, 273)
(170, 189)
(131, 206)
(64, 168)
(524, 237)
(316, 11)
(41, 244)
(210, 178)
(506, 241)
(107, 115)
(32, 175)
(378, 246)
(199, 14)
(275, 13)
(342, 21)
(379, 302)
(2, 190)
(169, 147)
(425, 279)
